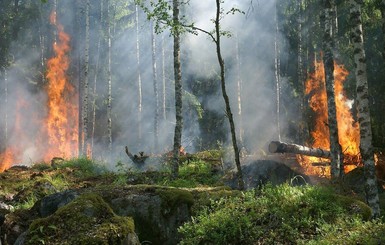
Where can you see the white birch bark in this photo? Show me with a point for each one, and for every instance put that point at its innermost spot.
(156, 94)
(109, 83)
(139, 78)
(363, 108)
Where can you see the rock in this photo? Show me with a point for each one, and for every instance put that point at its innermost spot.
(260, 172)
(86, 220)
(157, 212)
(15, 224)
(49, 204)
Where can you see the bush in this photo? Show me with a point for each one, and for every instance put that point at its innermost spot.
(281, 214)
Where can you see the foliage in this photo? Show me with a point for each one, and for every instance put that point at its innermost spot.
(195, 173)
(85, 167)
(282, 214)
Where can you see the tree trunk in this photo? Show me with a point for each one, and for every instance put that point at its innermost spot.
(328, 45)
(366, 147)
(281, 147)
(5, 107)
(303, 128)
(96, 77)
(86, 82)
(178, 91)
(156, 94)
(225, 96)
(163, 81)
(239, 90)
(140, 99)
(109, 84)
(277, 75)
(382, 9)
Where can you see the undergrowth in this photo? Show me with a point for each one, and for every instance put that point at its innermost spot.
(282, 215)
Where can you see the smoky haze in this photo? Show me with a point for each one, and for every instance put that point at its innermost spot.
(253, 31)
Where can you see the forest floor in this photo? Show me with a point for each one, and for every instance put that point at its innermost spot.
(23, 188)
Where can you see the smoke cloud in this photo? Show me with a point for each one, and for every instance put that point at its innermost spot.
(254, 32)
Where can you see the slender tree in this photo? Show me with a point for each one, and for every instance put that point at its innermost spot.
(139, 78)
(163, 81)
(224, 93)
(96, 77)
(156, 94)
(328, 59)
(86, 81)
(239, 90)
(366, 146)
(178, 89)
(277, 75)
(109, 82)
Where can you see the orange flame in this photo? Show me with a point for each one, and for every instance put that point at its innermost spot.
(348, 129)
(6, 159)
(62, 119)
(58, 134)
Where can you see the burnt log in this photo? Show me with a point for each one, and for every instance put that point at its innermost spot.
(281, 147)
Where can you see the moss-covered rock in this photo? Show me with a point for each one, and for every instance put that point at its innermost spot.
(86, 220)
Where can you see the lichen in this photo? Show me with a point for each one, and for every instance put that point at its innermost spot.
(86, 220)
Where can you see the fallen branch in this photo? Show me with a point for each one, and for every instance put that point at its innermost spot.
(281, 147)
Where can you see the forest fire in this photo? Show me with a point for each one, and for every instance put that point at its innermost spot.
(348, 129)
(57, 135)
(62, 118)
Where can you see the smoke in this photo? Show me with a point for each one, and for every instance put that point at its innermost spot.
(254, 33)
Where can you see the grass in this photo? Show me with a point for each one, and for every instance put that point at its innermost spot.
(279, 215)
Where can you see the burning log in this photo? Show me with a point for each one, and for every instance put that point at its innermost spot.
(281, 147)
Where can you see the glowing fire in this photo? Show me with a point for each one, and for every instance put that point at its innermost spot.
(348, 129)
(58, 134)
(62, 119)
(6, 159)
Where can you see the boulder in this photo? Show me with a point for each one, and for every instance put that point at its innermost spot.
(260, 172)
(157, 211)
(49, 204)
(86, 220)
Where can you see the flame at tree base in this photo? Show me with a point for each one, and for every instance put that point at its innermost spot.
(348, 129)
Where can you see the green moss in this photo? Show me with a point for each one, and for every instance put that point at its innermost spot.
(173, 197)
(355, 206)
(86, 220)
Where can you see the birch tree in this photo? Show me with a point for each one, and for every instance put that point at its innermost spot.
(163, 19)
(86, 81)
(277, 75)
(328, 59)
(366, 147)
(139, 78)
(155, 86)
(109, 82)
(96, 77)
